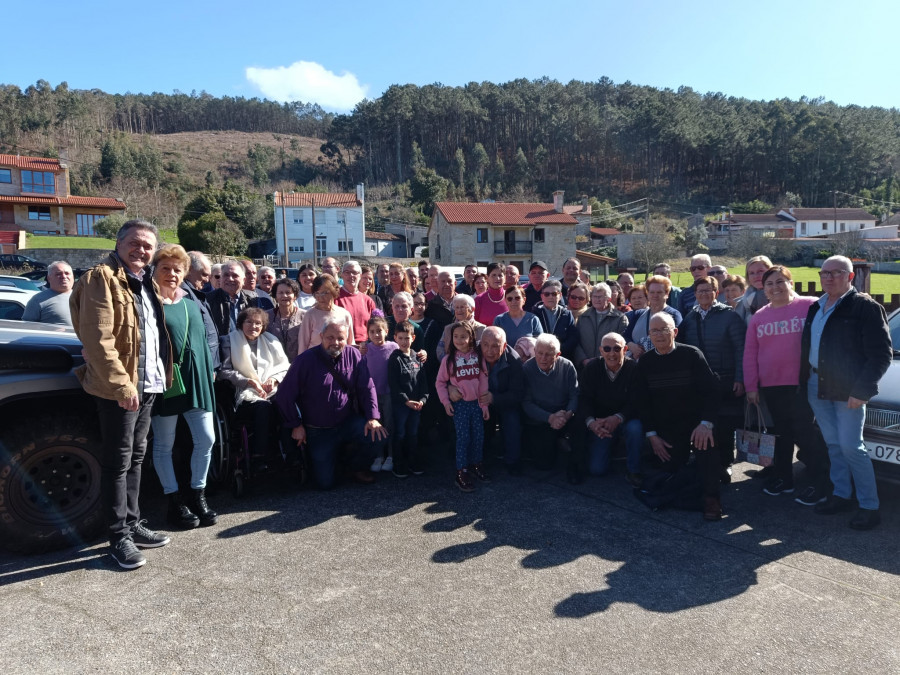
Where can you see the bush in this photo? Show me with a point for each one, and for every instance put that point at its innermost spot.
(109, 227)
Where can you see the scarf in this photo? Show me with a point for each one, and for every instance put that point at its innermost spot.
(270, 362)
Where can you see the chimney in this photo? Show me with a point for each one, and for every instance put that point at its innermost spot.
(361, 192)
(584, 204)
(558, 201)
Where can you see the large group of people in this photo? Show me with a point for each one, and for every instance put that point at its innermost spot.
(359, 370)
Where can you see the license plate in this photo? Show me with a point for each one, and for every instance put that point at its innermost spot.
(882, 452)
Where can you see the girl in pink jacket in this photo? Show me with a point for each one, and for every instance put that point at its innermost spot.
(464, 368)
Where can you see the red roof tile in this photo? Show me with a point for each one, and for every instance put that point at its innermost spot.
(828, 214)
(94, 202)
(323, 199)
(503, 214)
(30, 163)
(605, 231)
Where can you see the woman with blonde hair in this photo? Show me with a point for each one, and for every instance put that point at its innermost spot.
(398, 281)
(191, 395)
(754, 297)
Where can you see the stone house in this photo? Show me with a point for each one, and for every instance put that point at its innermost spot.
(319, 225)
(513, 233)
(35, 197)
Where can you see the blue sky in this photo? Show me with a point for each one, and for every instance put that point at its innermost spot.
(336, 53)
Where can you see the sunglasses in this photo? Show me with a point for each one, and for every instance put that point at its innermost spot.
(217, 276)
(548, 294)
(696, 268)
(615, 349)
(577, 297)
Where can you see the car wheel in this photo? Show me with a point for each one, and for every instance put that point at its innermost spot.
(49, 484)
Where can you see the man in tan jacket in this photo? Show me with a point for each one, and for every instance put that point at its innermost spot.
(119, 319)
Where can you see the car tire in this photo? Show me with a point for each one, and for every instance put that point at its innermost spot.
(49, 484)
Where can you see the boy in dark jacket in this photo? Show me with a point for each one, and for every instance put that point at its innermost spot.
(409, 392)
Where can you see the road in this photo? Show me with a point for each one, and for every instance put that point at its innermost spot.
(526, 575)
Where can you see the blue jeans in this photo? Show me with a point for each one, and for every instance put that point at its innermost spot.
(200, 423)
(842, 429)
(599, 449)
(323, 445)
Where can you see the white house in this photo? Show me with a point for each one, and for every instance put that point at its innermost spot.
(800, 223)
(319, 225)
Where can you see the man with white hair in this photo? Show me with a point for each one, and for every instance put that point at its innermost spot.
(504, 396)
(266, 279)
(550, 400)
(250, 276)
(215, 277)
(846, 349)
(700, 264)
(360, 305)
(199, 273)
(679, 408)
(608, 408)
(328, 399)
(226, 302)
(330, 266)
(52, 304)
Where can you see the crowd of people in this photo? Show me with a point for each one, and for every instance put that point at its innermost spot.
(368, 369)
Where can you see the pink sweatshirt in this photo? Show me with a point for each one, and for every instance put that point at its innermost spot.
(772, 345)
(469, 376)
(487, 309)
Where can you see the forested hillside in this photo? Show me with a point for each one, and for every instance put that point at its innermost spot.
(412, 145)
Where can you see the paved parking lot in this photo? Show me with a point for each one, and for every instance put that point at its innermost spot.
(526, 575)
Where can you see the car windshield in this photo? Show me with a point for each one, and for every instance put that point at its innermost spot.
(894, 325)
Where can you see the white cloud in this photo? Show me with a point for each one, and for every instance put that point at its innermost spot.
(309, 82)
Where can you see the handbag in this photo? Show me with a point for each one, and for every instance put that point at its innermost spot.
(177, 388)
(756, 447)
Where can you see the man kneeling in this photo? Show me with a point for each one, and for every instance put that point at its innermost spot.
(328, 399)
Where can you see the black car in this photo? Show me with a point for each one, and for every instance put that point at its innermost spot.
(882, 430)
(19, 260)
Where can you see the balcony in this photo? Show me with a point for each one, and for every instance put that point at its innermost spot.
(512, 247)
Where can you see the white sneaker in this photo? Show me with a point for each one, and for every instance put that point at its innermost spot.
(388, 464)
(376, 465)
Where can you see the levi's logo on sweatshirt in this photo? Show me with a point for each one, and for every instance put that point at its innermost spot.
(467, 367)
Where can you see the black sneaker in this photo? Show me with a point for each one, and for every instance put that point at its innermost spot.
(865, 519)
(834, 504)
(778, 486)
(144, 538)
(416, 470)
(477, 470)
(765, 473)
(399, 471)
(810, 496)
(126, 554)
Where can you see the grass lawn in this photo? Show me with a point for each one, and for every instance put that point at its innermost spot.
(883, 284)
(167, 236)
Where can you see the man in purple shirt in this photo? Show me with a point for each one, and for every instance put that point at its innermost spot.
(329, 399)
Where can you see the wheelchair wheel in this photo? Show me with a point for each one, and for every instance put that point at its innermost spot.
(238, 485)
(221, 450)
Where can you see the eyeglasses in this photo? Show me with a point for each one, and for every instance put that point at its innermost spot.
(217, 276)
(549, 294)
(616, 349)
(717, 273)
(830, 274)
(660, 331)
(322, 294)
(577, 297)
(516, 298)
(697, 268)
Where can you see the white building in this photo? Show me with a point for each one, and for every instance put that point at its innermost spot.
(801, 223)
(319, 225)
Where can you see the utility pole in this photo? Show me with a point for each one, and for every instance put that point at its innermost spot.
(834, 208)
(287, 261)
(315, 241)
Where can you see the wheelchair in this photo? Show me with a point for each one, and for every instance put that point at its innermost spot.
(233, 462)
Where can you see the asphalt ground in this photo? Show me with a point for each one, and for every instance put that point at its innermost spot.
(528, 574)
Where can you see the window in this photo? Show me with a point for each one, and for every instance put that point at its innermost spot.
(341, 217)
(481, 236)
(85, 223)
(39, 181)
(298, 216)
(320, 216)
(843, 227)
(38, 213)
(296, 246)
(345, 245)
(539, 235)
(321, 246)
(802, 229)
(5, 176)
(824, 227)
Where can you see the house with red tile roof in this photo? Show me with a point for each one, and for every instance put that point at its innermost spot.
(320, 225)
(35, 197)
(510, 233)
